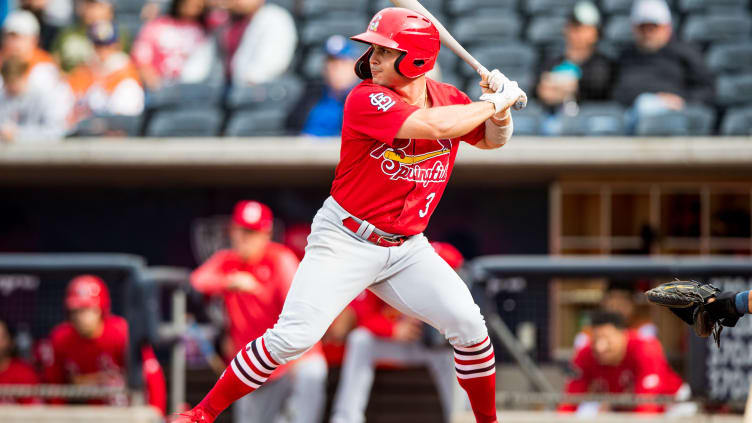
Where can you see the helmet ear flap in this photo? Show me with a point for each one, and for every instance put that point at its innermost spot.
(362, 67)
(398, 62)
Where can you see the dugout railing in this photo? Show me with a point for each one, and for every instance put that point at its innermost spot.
(708, 382)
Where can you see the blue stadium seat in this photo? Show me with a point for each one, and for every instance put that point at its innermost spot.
(707, 28)
(196, 122)
(283, 92)
(453, 79)
(433, 6)
(595, 119)
(287, 4)
(546, 30)
(611, 7)
(478, 29)
(730, 58)
(690, 6)
(509, 58)
(448, 61)
(128, 126)
(130, 22)
(315, 8)
(461, 7)
(528, 121)
(694, 120)
(253, 123)
(618, 30)
(185, 95)
(548, 7)
(316, 31)
(737, 122)
(128, 6)
(732, 90)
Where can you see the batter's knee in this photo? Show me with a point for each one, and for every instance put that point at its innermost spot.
(466, 328)
(296, 332)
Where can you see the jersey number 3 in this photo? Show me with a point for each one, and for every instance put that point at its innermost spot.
(429, 199)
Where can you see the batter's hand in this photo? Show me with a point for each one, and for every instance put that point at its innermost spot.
(242, 281)
(509, 95)
(493, 81)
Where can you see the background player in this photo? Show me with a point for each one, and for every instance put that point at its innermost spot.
(253, 279)
(13, 370)
(400, 136)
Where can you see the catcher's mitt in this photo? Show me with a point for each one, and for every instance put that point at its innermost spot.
(701, 305)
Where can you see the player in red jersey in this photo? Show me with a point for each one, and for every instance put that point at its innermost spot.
(13, 370)
(400, 136)
(253, 279)
(91, 348)
(619, 360)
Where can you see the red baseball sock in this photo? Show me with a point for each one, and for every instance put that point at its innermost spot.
(476, 372)
(247, 372)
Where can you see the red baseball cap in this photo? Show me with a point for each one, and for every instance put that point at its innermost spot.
(253, 215)
(451, 255)
(87, 291)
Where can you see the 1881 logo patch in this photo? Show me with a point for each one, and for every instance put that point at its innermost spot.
(382, 101)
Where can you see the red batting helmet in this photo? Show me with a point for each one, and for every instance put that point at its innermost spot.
(87, 291)
(404, 30)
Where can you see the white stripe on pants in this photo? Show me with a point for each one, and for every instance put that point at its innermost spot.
(338, 266)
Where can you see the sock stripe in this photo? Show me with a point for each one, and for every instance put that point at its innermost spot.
(242, 375)
(253, 374)
(480, 370)
(474, 347)
(254, 366)
(488, 351)
(482, 365)
(268, 354)
(473, 353)
(477, 375)
(470, 362)
(254, 350)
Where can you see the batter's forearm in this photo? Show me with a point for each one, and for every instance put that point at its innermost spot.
(499, 131)
(446, 121)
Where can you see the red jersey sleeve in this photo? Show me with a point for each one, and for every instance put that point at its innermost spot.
(580, 383)
(209, 279)
(373, 112)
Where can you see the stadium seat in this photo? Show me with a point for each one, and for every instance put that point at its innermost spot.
(251, 123)
(730, 58)
(130, 22)
(546, 29)
(528, 120)
(314, 8)
(595, 119)
(316, 31)
(433, 6)
(448, 61)
(706, 28)
(732, 90)
(287, 4)
(690, 6)
(692, 121)
(548, 7)
(283, 92)
(196, 122)
(185, 95)
(618, 30)
(611, 7)
(478, 29)
(96, 126)
(128, 6)
(509, 58)
(737, 122)
(461, 7)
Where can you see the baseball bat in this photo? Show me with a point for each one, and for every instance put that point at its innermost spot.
(448, 40)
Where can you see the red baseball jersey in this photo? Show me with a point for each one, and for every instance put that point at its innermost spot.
(395, 184)
(18, 373)
(644, 370)
(250, 314)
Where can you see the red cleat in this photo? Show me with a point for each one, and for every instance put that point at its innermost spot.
(196, 415)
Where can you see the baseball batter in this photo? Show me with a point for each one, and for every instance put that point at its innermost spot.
(400, 136)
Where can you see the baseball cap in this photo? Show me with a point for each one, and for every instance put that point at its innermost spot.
(340, 47)
(253, 215)
(449, 253)
(585, 13)
(650, 12)
(21, 22)
(87, 291)
(103, 33)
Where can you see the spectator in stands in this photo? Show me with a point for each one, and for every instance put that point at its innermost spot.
(257, 43)
(253, 279)
(660, 73)
(622, 361)
(172, 48)
(27, 114)
(13, 370)
(90, 348)
(385, 335)
(72, 46)
(19, 40)
(580, 74)
(108, 84)
(47, 30)
(319, 110)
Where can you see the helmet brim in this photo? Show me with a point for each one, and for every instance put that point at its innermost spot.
(370, 37)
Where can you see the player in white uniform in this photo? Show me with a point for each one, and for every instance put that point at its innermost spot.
(400, 136)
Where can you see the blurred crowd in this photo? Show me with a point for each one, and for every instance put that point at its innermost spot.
(256, 67)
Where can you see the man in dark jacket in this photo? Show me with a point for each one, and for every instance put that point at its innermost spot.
(660, 73)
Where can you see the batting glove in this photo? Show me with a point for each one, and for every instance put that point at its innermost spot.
(510, 94)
